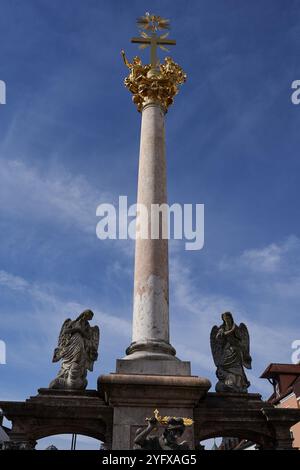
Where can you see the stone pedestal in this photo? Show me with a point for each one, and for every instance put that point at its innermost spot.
(154, 367)
(135, 397)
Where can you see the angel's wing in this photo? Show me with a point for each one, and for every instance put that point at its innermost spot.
(216, 346)
(92, 347)
(245, 342)
(95, 337)
(62, 340)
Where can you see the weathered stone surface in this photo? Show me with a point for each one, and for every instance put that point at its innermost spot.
(246, 416)
(134, 397)
(58, 412)
(151, 282)
(153, 367)
(115, 412)
(150, 331)
(78, 350)
(230, 347)
(169, 439)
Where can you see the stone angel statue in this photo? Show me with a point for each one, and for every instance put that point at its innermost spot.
(78, 350)
(230, 346)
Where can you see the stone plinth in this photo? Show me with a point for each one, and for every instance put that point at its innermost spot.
(135, 397)
(153, 367)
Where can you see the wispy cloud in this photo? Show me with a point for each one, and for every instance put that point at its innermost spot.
(58, 197)
(13, 282)
(36, 324)
(196, 310)
(269, 259)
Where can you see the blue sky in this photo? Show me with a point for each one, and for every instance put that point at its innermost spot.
(69, 140)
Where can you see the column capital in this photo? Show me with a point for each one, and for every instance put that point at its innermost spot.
(151, 85)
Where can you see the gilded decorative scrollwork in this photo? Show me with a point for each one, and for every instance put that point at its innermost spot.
(149, 84)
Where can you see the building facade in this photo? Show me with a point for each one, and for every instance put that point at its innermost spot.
(285, 379)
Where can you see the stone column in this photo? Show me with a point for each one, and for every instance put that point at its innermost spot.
(150, 351)
(150, 332)
(150, 335)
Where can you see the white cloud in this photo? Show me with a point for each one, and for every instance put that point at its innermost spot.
(266, 259)
(269, 259)
(38, 322)
(288, 288)
(269, 278)
(13, 282)
(57, 197)
(195, 312)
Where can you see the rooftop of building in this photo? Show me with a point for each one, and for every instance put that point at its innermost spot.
(285, 379)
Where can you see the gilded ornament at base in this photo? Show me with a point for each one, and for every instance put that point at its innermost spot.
(164, 420)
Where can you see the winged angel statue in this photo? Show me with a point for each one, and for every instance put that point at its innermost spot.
(230, 349)
(77, 349)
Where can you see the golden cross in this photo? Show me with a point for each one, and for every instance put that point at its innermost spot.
(153, 23)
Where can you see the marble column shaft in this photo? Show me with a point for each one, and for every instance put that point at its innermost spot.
(151, 278)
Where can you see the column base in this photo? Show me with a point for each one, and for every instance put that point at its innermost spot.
(152, 357)
(151, 366)
(156, 347)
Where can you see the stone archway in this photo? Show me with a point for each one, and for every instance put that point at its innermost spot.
(68, 441)
(264, 441)
(94, 430)
(54, 412)
(245, 416)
